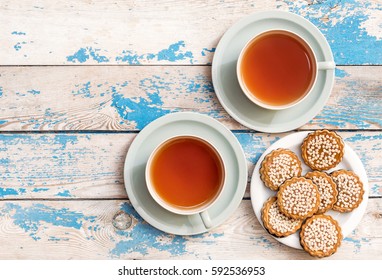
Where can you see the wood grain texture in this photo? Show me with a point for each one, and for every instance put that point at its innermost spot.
(65, 131)
(167, 32)
(78, 166)
(72, 230)
(128, 97)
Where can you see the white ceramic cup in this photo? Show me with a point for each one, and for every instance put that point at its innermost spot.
(318, 66)
(202, 209)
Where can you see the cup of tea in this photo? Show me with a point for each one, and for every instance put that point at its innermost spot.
(186, 175)
(277, 69)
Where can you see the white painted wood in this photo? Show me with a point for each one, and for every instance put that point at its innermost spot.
(92, 32)
(60, 192)
(128, 97)
(84, 230)
(67, 166)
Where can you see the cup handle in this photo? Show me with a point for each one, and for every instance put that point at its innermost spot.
(206, 219)
(326, 65)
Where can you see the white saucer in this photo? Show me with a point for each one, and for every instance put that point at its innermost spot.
(260, 193)
(168, 126)
(227, 87)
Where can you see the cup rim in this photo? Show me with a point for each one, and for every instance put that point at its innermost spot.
(185, 210)
(250, 96)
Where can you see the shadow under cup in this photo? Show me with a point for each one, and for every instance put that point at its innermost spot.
(185, 175)
(277, 69)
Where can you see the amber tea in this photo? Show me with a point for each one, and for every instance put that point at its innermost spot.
(186, 172)
(277, 68)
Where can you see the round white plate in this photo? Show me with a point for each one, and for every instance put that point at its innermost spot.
(169, 126)
(227, 87)
(260, 193)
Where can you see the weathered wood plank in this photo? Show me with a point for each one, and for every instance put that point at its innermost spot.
(91, 165)
(84, 230)
(167, 32)
(128, 98)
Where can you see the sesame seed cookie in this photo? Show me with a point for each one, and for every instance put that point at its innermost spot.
(327, 189)
(350, 190)
(298, 198)
(320, 236)
(276, 222)
(279, 166)
(322, 150)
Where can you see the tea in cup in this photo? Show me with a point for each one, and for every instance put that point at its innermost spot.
(277, 69)
(185, 174)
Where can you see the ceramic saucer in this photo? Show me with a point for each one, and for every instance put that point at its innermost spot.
(260, 193)
(168, 126)
(227, 87)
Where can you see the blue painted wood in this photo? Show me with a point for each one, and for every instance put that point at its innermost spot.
(129, 98)
(352, 29)
(90, 165)
(55, 228)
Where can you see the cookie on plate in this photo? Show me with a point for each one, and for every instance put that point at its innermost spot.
(276, 222)
(279, 166)
(322, 150)
(327, 189)
(350, 190)
(320, 236)
(298, 198)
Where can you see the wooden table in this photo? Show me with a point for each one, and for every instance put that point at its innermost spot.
(80, 79)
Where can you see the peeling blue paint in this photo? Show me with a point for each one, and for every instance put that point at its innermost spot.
(57, 239)
(36, 190)
(263, 242)
(343, 28)
(193, 87)
(3, 122)
(124, 84)
(65, 193)
(144, 237)
(18, 33)
(8, 191)
(1, 91)
(84, 90)
(362, 137)
(63, 140)
(357, 242)
(84, 54)
(376, 190)
(173, 53)
(4, 161)
(18, 46)
(129, 57)
(32, 219)
(217, 235)
(139, 110)
(205, 50)
(34, 92)
(341, 73)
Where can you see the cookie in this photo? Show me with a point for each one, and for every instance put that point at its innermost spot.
(276, 222)
(327, 189)
(322, 150)
(320, 236)
(279, 166)
(350, 190)
(298, 198)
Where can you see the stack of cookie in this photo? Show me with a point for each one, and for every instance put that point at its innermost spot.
(302, 201)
